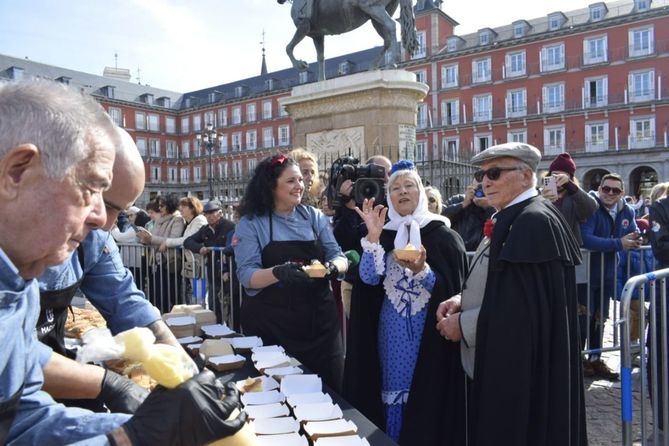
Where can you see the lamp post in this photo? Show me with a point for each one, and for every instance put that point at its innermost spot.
(209, 137)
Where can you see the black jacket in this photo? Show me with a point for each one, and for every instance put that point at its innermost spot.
(206, 236)
(468, 222)
(659, 231)
(348, 229)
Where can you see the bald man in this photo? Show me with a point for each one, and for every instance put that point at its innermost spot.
(96, 268)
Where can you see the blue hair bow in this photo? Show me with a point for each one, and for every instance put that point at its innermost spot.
(402, 165)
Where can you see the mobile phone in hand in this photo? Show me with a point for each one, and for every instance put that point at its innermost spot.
(550, 184)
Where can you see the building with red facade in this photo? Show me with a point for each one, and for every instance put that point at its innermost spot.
(591, 82)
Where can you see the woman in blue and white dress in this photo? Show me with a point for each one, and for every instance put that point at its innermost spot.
(421, 380)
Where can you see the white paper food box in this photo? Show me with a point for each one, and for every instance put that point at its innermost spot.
(282, 440)
(217, 330)
(270, 360)
(226, 362)
(281, 372)
(246, 343)
(215, 347)
(256, 398)
(189, 340)
(295, 384)
(334, 428)
(268, 348)
(274, 426)
(349, 440)
(318, 412)
(273, 410)
(308, 398)
(180, 321)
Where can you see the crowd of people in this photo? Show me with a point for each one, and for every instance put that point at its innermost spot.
(466, 315)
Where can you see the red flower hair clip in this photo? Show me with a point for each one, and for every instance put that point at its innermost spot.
(279, 160)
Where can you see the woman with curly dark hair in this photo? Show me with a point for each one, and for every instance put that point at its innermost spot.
(275, 237)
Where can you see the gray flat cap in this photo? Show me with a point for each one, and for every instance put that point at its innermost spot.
(213, 205)
(526, 153)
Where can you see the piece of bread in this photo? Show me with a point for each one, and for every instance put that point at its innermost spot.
(315, 270)
(250, 385)
(408, 253)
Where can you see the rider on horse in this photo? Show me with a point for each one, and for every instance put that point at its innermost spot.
(305, 11)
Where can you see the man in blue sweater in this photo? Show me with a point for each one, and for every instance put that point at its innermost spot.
(610, 229)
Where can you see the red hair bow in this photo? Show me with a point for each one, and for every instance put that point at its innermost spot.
(279, 160)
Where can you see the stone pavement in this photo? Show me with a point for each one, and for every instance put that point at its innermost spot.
(602, 400)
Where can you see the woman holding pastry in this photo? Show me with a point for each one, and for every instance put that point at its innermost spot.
(275, 239)
(399, 372)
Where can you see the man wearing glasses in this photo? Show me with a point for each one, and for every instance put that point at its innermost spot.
(611, 228)
(514, 315)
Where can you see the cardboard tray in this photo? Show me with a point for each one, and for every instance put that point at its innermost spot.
(226, 362)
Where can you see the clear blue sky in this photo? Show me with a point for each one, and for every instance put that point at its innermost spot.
(188, 45)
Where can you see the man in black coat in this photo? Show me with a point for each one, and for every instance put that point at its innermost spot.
(517, 317)
(468, 213)
(216, 233)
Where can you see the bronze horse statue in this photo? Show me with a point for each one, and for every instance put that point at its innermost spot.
(320, 18)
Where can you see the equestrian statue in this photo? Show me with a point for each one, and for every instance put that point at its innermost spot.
(320, 18)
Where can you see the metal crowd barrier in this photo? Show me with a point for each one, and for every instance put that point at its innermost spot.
(165, 282)
(653, 352)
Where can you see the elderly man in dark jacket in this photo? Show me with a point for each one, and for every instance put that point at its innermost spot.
(215, 234)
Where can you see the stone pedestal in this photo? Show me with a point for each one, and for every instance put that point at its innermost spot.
(365, 113)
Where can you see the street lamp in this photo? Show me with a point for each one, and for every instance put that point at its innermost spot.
(209, 137)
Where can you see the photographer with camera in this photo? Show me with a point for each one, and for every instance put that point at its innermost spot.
(348, 226)
(468, 213)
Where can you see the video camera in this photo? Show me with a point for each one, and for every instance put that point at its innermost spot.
(368, 181)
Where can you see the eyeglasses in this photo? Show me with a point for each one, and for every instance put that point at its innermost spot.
(611, 190)
(493, 173)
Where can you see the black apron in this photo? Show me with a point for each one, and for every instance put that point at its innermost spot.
(53, 314)
(301, 318)
(7, 414)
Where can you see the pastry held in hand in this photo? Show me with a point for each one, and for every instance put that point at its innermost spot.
(409, 253)
(316, 270)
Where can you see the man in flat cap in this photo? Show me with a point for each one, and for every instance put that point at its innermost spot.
(516, 314)
(217, 233)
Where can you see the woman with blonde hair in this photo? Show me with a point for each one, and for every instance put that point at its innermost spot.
(434, 203)
(309, 169)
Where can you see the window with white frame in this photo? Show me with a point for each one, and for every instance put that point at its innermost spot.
(451, 148)
(641, 85)
(452, 44)
(553, 97)
(267, 110)
(421, 49)
(283, 111)
(449, 76)
(596, 136)
(237, 168)
(594, 50)
(450, 112)
(421, 116)
(236, 115)
(185, 149)
(116, 116)
(170, 125)
(268, 137)
(596, 13)
(552, 57)
(421, 76)
(223, 170)
(554, 22)
(140, 121)
(482, 141)
(251, 112)
(516, 103)
(517, 136)
(155, 173)
(251, 164)
(251, 139)
(209, 118)
(303, 77)
(421, 151)
(284, 135)
(223, 141)
(641, 42)
(197, 123)
(642, 5)
(595, 91)
(198, 173)
(185, 125)
(236, 142)
(484, 37)
(642, 132)
(172, 174)
(518, 30)
(223, 117)
(481, 70)
(482, 107)
(197, 148)
(185, 175)
(514, 64)
(154, 123)
(154, 146)
(141, 146)
(554, 140)
(171, 149)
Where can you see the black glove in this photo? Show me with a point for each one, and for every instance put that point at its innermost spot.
(333, 271)
(291, 273)
(195, 413)
(120, 394)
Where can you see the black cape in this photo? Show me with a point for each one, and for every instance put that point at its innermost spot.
(528, 383)
(435, 410)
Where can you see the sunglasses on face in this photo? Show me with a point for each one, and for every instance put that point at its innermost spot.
(493, 173)
(611, 190)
